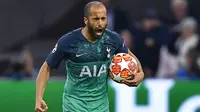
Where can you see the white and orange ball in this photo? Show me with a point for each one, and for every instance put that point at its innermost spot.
(121, 65)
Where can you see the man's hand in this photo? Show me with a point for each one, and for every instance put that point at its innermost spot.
(40, 106)
(134, 79)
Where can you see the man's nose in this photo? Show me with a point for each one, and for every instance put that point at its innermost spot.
(100, 23)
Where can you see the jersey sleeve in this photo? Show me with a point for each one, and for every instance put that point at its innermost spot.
(122, 46)
(56, 55)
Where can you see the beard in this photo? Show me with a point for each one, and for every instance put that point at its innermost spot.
(96, 33)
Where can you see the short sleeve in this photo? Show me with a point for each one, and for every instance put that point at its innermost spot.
(122, 46)
(56, 55)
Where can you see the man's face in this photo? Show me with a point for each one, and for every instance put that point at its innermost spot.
(97, 21)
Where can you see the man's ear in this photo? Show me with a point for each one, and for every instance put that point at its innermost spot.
(85, 20)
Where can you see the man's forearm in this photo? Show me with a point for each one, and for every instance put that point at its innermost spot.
(41, 81)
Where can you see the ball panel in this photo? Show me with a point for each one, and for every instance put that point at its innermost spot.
(132, 66)
(116, 69)
(117, 59)
(127, 57)
(111, 74)
(124, 73)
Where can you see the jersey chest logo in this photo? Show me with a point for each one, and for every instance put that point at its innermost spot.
(78, 55)
(93, 72)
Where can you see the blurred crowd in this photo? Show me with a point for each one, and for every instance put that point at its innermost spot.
(17, 65)
(167, 48)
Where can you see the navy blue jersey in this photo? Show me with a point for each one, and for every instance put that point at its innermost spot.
(87, 67)
(73, 44)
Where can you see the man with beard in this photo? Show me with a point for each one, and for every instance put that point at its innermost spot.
(87, 52)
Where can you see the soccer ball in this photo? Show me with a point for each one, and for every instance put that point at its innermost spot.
(121, 65)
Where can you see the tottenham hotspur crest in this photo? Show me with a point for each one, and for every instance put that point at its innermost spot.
(108, 50)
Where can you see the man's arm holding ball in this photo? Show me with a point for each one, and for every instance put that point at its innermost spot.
(136, 77)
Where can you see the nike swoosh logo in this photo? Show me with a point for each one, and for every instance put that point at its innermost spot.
(78, 55)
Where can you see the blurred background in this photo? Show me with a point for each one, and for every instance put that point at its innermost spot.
(163, 34)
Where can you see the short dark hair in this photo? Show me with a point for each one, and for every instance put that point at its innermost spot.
(88, 7)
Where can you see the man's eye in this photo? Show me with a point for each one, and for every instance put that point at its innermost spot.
(96, 18)
(103, 18)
